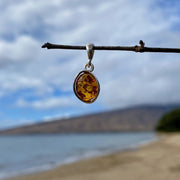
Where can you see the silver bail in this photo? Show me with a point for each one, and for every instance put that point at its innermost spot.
(90, 51)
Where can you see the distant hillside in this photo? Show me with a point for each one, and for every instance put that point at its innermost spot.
(138, 118)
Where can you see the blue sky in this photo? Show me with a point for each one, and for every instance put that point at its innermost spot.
(36, 84)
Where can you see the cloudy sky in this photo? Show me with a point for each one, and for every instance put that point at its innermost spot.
(36, 84)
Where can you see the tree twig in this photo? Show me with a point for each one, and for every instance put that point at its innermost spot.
(136, 48)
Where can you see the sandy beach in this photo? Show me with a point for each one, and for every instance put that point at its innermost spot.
(159, 160)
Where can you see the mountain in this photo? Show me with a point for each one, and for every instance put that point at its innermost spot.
(137, 118)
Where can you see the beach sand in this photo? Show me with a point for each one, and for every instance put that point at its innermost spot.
(159, 160)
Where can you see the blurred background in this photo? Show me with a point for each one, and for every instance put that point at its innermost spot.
(36, 84)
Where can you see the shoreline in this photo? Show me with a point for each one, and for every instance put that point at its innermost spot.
(156, 160)
(83, 156)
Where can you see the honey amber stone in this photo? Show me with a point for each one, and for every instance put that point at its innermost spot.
(86, 87)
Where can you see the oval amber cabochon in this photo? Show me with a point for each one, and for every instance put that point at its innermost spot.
(86, 87)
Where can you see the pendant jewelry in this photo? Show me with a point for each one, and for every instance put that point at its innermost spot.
(86, 86)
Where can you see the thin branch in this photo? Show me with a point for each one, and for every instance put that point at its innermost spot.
(136, 48)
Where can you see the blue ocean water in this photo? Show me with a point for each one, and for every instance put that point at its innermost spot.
(28, 154)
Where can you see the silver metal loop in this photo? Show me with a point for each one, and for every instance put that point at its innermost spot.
(90, 52)
(90, 66)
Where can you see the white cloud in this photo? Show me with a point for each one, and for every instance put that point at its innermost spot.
(150, 81)
(24, 48)
(56, 117)
(47, 103)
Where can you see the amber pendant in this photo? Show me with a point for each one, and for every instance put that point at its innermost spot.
(86, 86)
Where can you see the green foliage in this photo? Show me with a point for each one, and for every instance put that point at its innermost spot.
(170, 122)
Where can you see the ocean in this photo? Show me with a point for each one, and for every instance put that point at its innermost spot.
(32, 153)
